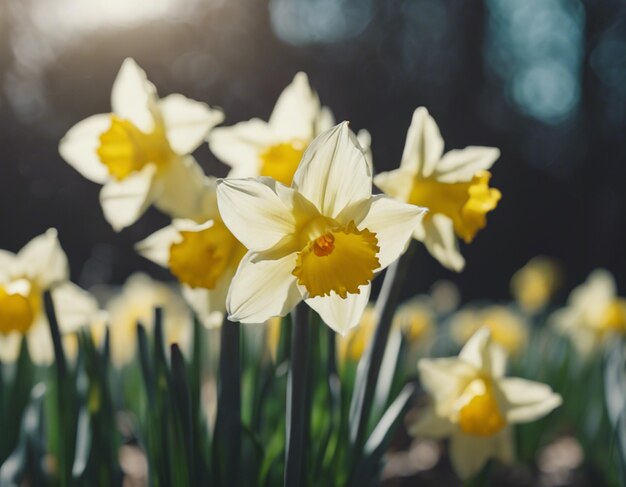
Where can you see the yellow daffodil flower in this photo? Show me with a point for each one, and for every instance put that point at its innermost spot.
(535, 283)
(321, 240)
(40, 266)
(508, 329)
(141, 151)
(593, 314)
(275, 148)
(202, 256)
(136, 304)
(453, 186)
(416, 319)
(474, 405)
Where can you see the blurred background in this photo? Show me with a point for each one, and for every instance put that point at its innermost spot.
(543, 80)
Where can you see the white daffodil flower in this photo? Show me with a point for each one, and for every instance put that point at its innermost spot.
(474, 405)
(40, 266)
(321, 240)
(453, 186)
(141, 151)
(275, 148)
(593, 314)
(203, 257)
(135, 304)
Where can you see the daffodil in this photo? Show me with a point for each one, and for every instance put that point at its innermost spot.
(202, 256)
(38, 267)
(275, 148)
(453, 186)
(321, 240)
(352, 346)
(134, 305)
(415, 319)
(535, 283)
(141, 152)
(474, 405)
(508, 329)
(593, 314)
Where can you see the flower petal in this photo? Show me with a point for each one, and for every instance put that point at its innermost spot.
(444, 379)
(253, 212)
(397, 183)
(424, 146)
(334, 172)
(156, 247)
(461, 165)
(470, 453)
(297, 110)
(79, 145)
(40, 343)
(393, 222)
(482, 353)
(209, 305)
(263, 287)
(240, 146)
(339, 313)
(10, 347)
(74, 307)
(187, 122)
(441, 242)
(527, 400)
(43, 260)
(123, 202)
(133, 96)
(179, 191)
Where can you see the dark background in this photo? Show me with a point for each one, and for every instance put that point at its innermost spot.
(543, 80)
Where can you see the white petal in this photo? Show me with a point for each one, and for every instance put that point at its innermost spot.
(339, 313)
(156, 247)
(326, 121)
(241, 145)
(424, 146)
(461, 165)
(133, 97)
(209, 305)
(123, 202)
(180, 189)
(334, 172)
(187, 122)
(441, 241)
(296, 111)
(444, 379)
(254, 213)
(482, 353)
(43, 260)
(432, 425)
(79, 145)
(397, 183)
(527, 400)
(74, 307)
(40, 343)
(393, 223)
(10, 347)
(263, 288)
(470, 453)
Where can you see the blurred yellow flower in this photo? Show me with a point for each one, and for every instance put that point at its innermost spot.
(593, 314)
(40, 266)
(474, 405)
(135, 304)
(508, 329)
(352, 346)
(453, 186)
(275, 148)
(534, 284)
(415, 319)
(141, 152)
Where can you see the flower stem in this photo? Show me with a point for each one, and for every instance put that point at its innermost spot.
(228, 423)
(369, 366)
(296, 397)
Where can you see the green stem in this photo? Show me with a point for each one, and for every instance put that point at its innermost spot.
(296, 397)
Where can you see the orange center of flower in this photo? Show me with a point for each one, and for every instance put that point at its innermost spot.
(280, 161)
(339, 259)
(20, 304)
(125, 149)
(201, 258)
(479, 414)
(465, 203)
(613, 318)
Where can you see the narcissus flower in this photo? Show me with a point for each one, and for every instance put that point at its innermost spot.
(508, 329)
(535, 283)
(134, 305)
(593, 314)
(275, 148)
(416, 319)
(474, 405)
(40, 266)
(141, 151)
(453, 186)
(203, 257)
(321, 240)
